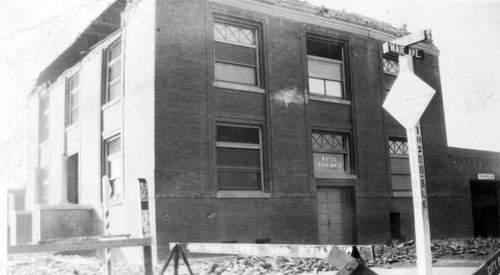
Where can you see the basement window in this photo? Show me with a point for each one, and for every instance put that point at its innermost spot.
(239, 157)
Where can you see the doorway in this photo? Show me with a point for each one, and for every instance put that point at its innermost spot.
(335, 215)
(484, 195)
(73, 179)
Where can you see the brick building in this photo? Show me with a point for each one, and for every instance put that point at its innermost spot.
(252, 120)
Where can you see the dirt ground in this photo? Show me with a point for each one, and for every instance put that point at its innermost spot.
(446, 253)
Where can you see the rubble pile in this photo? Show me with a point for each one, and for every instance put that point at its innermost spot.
(263, 265)
(406, 252)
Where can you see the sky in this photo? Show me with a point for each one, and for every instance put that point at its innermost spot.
(33, 33)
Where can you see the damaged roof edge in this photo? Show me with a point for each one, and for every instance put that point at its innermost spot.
(107, 23)
(302, 11)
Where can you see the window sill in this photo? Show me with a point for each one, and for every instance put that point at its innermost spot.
(329, 99)
(402, 194)
(330, 176)
(111, 103)
(242, 194)
(239, 87)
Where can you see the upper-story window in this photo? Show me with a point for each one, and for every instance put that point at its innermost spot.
(390, 66)
(400, 164)
(44, 118)
(113, 71)
(239, 157)
(391, 70)
(73, 98)
(326, 68)
(236, 54)
(331, 154)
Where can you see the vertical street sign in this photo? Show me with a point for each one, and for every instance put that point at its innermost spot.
(406, 102)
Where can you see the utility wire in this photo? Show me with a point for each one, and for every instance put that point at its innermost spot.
(48, 20)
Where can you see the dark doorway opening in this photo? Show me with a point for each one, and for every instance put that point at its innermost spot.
(73, 179)
(484, 195)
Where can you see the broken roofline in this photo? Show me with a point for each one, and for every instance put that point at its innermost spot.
(104, 25)
(108, 22)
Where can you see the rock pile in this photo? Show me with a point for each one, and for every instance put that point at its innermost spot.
(263, 265)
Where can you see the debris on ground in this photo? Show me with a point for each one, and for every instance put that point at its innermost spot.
(386, 256)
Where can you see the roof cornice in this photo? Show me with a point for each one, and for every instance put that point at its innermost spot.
(308, 18)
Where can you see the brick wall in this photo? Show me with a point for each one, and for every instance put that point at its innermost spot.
(187, 107)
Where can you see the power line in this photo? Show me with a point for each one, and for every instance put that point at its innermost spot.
(48, 20)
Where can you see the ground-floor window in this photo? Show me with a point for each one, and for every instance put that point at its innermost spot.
(43, 190)
(239, 157)
(399, 164)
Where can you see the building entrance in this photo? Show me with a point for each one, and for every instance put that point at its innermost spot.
(484, 195)
(335, 215)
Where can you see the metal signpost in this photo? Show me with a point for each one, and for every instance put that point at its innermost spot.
(406, 102)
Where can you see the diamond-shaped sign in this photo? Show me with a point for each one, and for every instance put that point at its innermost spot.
(408, 98)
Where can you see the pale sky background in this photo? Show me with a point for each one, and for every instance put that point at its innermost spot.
(34, 32)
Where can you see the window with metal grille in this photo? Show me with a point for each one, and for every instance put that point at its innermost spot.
(330, 154)
(43, 191)
(239, 157)
(399, 164)
(236, 54)
(113, 166)
(326, 68)
(44, 118)
(113, 71)
(390, 66)
(72, 98)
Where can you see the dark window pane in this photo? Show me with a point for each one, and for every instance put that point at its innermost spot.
(237, 134)
(235, 54)
(324, 49)
(232, 157)
(239, 180)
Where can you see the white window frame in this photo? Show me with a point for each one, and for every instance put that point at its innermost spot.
(400, 192)
(393, 64)
(237, 145)
(342, 75)
(117, 192)
(255, 46)
(109, 64)
(346, 152)
(71, 106)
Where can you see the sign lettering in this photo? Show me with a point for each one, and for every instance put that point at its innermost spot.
(491, 267)
(402, 50)
(484, 176)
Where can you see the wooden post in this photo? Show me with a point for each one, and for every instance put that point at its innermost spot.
(146, 230)
(105, 208)
(419, 188)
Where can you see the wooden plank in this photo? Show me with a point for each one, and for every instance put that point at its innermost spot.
(271, 250)
(77, 246)
(491, 267)
(413, 38)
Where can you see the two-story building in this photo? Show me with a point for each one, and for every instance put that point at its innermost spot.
(251, 120)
